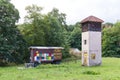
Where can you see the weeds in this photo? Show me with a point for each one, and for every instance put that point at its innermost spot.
(91, 72)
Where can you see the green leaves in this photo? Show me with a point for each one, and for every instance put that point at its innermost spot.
(75, 36)
(110, 41)
(33, 28)
(7, 10)
(44, 30)
(10, 37)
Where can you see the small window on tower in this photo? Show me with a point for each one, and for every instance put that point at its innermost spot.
(85, 41)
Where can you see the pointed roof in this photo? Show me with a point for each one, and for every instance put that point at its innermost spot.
(92, 19)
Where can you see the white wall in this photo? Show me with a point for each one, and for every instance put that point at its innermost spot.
(95, 40)
(85, 48)
(93, 46)
(85, 36)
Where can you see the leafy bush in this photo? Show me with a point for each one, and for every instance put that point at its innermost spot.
(111, 41)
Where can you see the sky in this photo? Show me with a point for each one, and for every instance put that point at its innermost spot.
(75, 10)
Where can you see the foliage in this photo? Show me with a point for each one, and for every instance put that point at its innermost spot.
(91, 72)
(45, 30)
(111, 41)
(11, 41)
(75, 36)
(33, 26)
(57, 34)
(70, 28)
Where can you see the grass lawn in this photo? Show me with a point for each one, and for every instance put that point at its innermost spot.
(109, 70)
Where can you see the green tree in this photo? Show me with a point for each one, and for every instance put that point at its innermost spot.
(33, 28)
(111, 41)
(11, 41)
(75, 36)
(70, 28)
(56, 30)
(45, 30)
(57, 34)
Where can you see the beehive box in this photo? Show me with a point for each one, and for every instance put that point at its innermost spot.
(45, 54)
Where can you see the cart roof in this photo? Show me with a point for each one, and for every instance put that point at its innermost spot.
(38, 47)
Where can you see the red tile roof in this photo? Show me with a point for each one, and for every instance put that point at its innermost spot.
(91, 19)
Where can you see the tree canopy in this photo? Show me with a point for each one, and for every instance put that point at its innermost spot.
(111, 41)
(33, 28)
(75, 36)
(11, 48)
(44, 29)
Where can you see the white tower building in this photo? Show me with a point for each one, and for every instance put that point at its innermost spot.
(91, 41)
